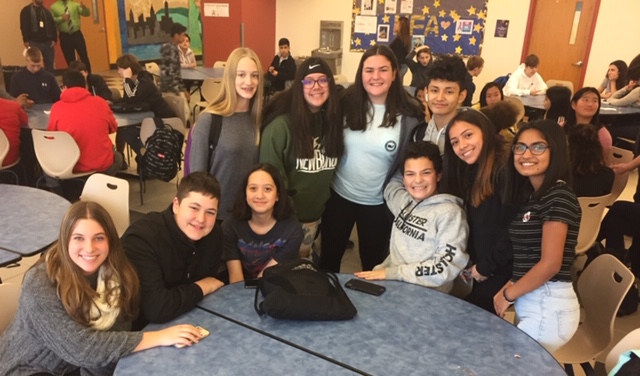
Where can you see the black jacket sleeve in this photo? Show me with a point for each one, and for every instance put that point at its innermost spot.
(99, 87)
(287, 69)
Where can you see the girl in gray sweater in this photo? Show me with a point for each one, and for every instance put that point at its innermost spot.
(77, 303)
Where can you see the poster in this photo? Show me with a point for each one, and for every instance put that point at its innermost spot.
(366, 25)
(216, 10)
(390, 6)
(383, 33)
(502, 28)
(406, 6)
(464, 27)
(417, 41)
(368, 7)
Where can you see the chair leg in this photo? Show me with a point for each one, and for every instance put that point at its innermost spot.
(588, 369)
(568, 368)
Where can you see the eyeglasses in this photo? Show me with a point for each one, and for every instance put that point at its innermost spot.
(309, 83)
(537, 148)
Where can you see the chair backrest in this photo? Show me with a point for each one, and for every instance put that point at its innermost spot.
(518, 103)
(9, 295)
(175, 123)
(601, 287)
(115, 93)
(629, 342)
(340, 79)
(147, 128)
(153, 68)
(178, 105)
(567, 84)
(619, 155)
(56, 151)
(220, 64)
(210, 88)
(113, 194)
(4, 146)
(592, 209)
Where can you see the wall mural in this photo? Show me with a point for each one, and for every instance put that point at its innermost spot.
(145, 25)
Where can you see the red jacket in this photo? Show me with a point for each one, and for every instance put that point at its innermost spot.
(12, 117)
(89, 121)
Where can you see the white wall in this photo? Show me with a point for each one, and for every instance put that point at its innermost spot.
(11, 45)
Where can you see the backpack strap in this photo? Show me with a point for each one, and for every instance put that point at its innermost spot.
(214, 136)
(158, 121)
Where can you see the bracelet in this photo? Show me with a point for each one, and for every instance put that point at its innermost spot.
(504, 294)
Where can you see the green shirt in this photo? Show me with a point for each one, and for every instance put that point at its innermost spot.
(75, 12)
(307, 179)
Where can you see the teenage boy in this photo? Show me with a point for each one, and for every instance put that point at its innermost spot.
(475, 64)
(445, 93)
(420, 69)
(282, 68)
(170, 73)
(430, 231)
(177, 252)
(526, 80)
(38, 84)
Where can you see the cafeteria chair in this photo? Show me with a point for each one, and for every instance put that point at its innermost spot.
(629, 342)
(115, 93)
(602, 286)
(57, 153)
(567, 84)
(220, 64)
(179, 106)
(4, 150)
(154, 69)
(113, 194)
(9, 295)
(592, 209)
(619, 155)
(209, 90)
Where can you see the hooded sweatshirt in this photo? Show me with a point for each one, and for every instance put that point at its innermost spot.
(89, 121)
(520, 85)
(428, 238)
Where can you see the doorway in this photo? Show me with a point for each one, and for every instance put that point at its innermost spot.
(94, 29)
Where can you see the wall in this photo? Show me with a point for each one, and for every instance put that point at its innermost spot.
(11, 48)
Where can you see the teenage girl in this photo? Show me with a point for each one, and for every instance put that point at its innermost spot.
(379, 119)
(544, 234)
(239, 104)
(476, 159)
(556, 101)
(585, 109)
(614, 80)
(77, 303)
(491, 93)
(303, 140)
(401, 44)
(263, 230)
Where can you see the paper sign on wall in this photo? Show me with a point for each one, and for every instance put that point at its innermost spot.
(216, 10)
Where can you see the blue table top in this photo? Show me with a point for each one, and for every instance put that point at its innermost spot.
(31, 218)
(39, 116)
(536, 101)
(408, 330)
(7, 258)
(229, 350)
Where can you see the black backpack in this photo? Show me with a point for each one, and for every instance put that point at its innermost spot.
(502, 80)
(163, 153)
(296, 290)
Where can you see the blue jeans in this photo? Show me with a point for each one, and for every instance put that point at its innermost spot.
(550, 314)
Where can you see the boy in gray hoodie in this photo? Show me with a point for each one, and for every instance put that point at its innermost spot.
(430, 230)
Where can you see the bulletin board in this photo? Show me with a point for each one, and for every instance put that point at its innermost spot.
(446, 26)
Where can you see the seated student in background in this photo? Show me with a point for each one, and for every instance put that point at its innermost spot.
(585, 109)
(177, 252)
(139, 89)
(12, 119)
(429, 234)
(622, 220)
(556, 102)
(504, 117)
(89, 121)
(170, 73)
(187, 57)
(491, 93)
(77, 303)
(591, 177)
(475, 64)
(526, 80)
(627, 96)
(40, 85)
(444, 94)
(282, 68)
(544, 235)
(615, 79)
(263, 230)
(422, 95)
(420, 69)
(95, 83)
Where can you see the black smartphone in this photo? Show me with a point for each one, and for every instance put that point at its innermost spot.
(364, 286)
(250, 283)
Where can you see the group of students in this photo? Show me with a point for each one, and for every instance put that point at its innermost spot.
(426, 213)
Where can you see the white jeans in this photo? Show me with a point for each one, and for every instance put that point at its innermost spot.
(550, 314)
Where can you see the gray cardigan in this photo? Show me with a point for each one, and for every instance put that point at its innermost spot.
(44, 338)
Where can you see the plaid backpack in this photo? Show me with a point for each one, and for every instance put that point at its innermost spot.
(163, 153)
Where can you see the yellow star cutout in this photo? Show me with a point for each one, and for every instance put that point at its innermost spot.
(445, 37)
(477, 28)
(436, 3)
(482, 15)
(381, 1)
(456, 37)
(472, 41)
(471, 10)
(356, 11)
(442, 13)
(454, 15)
(425, 10)
(385, 19)
(458, 50)
(358, 42)
(372, 42)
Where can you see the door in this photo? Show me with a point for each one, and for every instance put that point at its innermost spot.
(560, 33)
(94, 30)
(221, 35)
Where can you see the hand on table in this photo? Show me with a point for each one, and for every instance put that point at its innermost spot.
(181, 335)
(24, 101)
(535, 92)
(372, 275)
